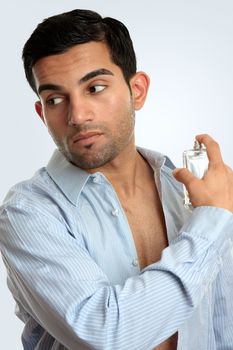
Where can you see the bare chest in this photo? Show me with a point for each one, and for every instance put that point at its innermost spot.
(146, 220)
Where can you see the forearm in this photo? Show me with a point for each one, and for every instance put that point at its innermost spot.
(223, 304)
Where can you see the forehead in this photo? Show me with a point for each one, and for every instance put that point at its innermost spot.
(80, 59)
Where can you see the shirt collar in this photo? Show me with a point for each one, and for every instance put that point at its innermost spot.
(71, 179)
(155, 159)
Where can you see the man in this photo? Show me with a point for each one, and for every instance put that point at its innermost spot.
(99, 250)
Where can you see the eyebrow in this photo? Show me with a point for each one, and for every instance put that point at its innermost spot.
(94, 74)
(85, 78)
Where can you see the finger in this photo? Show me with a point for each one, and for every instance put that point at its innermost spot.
(212, 148)
(183, 175)
(229, 170)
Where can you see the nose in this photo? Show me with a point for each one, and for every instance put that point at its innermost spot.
(80, 111)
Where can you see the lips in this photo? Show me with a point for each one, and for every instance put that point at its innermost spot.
(88, 136)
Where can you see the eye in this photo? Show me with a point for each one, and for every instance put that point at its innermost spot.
(96, 88)
(54, 101)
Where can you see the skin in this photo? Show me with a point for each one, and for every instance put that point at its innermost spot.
(90, 115)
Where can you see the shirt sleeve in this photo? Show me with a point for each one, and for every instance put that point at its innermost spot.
(66, 292)
(223, 304)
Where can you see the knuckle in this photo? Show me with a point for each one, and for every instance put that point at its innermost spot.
(206, 136)
(228, 168)
(192, 182)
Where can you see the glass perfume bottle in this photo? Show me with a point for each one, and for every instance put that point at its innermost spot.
(196, 161)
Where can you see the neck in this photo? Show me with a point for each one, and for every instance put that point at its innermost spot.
(127, 172)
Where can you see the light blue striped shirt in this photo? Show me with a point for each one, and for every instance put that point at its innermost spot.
(73, 270)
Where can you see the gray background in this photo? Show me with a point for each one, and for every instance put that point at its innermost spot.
(185, 46)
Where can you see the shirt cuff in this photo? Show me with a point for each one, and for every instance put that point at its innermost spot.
(211, 223)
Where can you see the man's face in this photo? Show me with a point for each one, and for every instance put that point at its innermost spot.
(86, 104)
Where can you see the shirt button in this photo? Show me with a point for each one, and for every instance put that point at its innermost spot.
(115, 212)
(135, 262)
(96, 179)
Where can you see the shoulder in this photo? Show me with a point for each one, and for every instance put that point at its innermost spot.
(27, 191)
(34, 206)
(38, 195)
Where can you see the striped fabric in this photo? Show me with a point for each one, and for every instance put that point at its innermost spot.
(73, 269)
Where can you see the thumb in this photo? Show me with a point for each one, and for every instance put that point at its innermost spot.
(183, 175)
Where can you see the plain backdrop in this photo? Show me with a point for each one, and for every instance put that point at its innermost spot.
(186, 47)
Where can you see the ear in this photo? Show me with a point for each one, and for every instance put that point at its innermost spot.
(38, 108)
(139, 86)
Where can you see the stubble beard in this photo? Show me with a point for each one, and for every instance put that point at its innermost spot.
(92, 157)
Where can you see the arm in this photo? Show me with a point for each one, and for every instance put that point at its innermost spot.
(60, 285)
(223, 305)
(65, 291)
(216, 191)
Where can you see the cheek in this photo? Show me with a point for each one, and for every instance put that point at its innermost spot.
(121, 117)
(55, 119)
(56, 127)
(118, 104)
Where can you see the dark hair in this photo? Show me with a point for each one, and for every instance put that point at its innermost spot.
(57, 34)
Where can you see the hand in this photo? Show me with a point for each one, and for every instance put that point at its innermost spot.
(216, 187)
